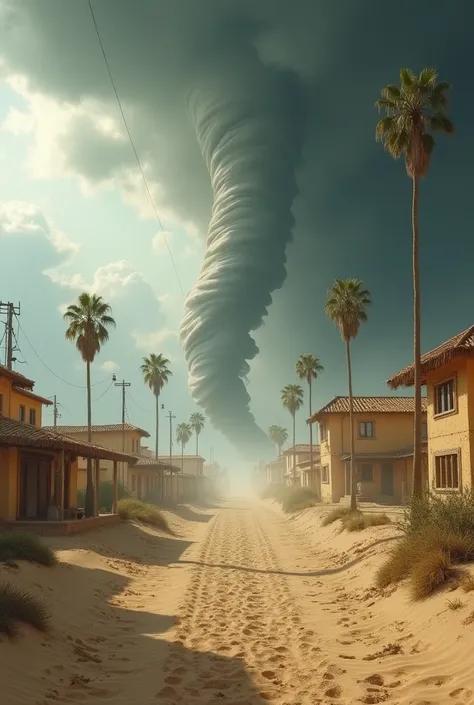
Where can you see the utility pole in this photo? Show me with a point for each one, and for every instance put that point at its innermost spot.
(123, 384)
(171, 416)
(11, 310)
(56, 414)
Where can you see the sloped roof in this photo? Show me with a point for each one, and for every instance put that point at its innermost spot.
(99, 428)
(461, 345)
(302, 448)
(19, 434)
(32, 395)
(369, 405)
(18, 379)
(145, 460)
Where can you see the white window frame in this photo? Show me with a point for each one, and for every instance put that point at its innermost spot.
(322, 426)
(366, 438)
(325, 468)
(439, 414)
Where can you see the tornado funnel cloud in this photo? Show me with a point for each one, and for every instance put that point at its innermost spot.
(242, 113)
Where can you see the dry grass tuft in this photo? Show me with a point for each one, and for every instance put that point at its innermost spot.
(295, 499)
(19, 606)
(336, 514)
(456, 604)
(359, 522)
(25, 547)
(467, 583)
(134, 510)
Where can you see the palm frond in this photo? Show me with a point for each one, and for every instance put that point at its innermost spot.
(407, 79)
(427, 78)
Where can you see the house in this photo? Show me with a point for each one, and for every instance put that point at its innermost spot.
(124, 438)
(303, 475)
(184, 479)
(38, 468)
(448, 373)
(147, 474)
(383, 447)
(275, 471)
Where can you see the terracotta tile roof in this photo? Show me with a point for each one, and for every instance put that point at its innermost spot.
(16, 433)
(100, 428)
(369, 405)
(145, 460)
(277, 461)
(18, 379)
(302, 448)
(32, 395)
(461, 345)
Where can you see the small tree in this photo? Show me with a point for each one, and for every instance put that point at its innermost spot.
(308, 367)
(292, 399)
(279, 436)
(196, 422)
(183, 436)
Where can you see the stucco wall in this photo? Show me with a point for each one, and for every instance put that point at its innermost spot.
(8, 483)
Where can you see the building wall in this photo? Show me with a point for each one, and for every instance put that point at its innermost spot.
(12, 399)
(112, 440)
(9, 459)
(451, 432)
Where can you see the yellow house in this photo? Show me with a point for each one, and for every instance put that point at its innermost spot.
(38, 468)
(383, 448)
(303, 475)
(123, 438)
(275, 471)
(448, 373)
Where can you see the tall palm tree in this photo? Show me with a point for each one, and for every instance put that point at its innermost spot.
(279, 436)
(196, 421)
(292, 399)
(183, 436)
(414, 111)
(88, 322)
(346, 306)
(308, 367)
(156, 374)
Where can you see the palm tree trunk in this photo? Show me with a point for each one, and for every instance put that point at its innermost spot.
(157, 445)
(310, 434)
(294, 449)
(197, 453)
(89, 508)
(417, 472)
(351, 424)
(182, 457)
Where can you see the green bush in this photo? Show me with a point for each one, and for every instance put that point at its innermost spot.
(106, 495)
(134, 509)
(439, 535)
(25, 547)
(295, 499)
(19, 606)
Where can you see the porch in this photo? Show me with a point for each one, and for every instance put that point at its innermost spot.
(68, 527)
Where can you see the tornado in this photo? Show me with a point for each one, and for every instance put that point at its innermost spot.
(245, 117)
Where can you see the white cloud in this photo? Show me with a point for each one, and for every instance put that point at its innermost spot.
(110, 366)
(21, 218)
(154, 340)
(109, 281)
(161, 242)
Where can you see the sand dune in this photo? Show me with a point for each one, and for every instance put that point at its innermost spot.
(242, 606)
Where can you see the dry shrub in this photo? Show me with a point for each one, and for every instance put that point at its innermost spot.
(439, 534)
(274, 491)
(454, 605)
(467, 583)
(358, 521)
(19, 606)
(25, 547)
(336, 514)
(134, 509)
(295, 499)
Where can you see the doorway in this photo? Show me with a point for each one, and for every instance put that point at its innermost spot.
(34, 487)
(387, 479)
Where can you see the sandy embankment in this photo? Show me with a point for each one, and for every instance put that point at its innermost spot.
(112, 599)
(401, 652)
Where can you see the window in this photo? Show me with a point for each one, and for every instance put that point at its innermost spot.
(447, 471)
(424, 431)
(366, 429)
(33, 417)
(445, 400)
(323, 432)
(366, 472)
(21, 413)
(325, 474)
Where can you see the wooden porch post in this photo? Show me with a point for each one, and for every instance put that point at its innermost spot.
(115, 498)
(96, 486)
(61, 486)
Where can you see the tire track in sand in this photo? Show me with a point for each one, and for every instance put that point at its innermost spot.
(246, 619)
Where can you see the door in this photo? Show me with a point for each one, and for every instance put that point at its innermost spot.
(35, 488)
(387, 479)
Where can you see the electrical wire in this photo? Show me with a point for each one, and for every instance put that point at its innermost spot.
(61, 379)
(147, 411)
(104, 392)
(132, 144)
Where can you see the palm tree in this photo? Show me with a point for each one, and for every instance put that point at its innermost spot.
(279, 436)
(308, 367)
(88, 322)
(183, 436)
(414, 111)
(156, 374)
(196, 422)
(346, 307)
(292, 399)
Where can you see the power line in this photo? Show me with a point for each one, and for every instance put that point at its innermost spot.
(61, 379)
(147, 411)
(152, 201)
(104, 392)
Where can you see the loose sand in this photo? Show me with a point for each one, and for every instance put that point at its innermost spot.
(244, 606)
